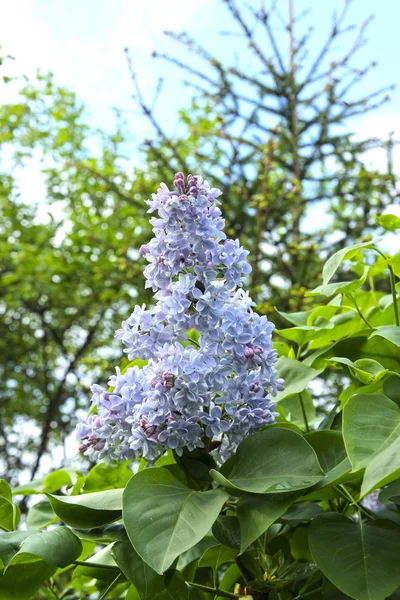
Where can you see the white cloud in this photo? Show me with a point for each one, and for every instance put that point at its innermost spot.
(82, 42)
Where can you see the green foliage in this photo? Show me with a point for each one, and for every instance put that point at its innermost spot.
(289, 515)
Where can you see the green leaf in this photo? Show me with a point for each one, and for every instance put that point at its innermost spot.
(293, 410)
(40, 515)
(334, 262)
(391, 388)
(163, 518)
(359, 346)
(226, 531)
(371, 422)
(22, 581)
(383, 468)
(389, 222)
(51, 483)
(216, 556)
(229, 579)
(365, 370)
(256, 513)
(341, 287)
(301, 512)
(101, 566)
(296, 318)
(88, 510)
(132, 594)
(391, 493)
(361, 559)
(296, 375)
(58, 547)
(306, 333)
(390, 333)
(149, 584)
(330, 450)
(9, 514)
(104, 476)
(273, 460)
(5, 490)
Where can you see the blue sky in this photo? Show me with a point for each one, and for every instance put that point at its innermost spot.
(82, 42)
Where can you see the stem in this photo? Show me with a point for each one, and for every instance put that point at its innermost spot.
(52, 590)
(346, 494)
(112, 585)
(194, 342)
(359, 311)
(308, 593)
(245, 574)
(303, 410)
(215, 591)
(393, 286)
(81, 563)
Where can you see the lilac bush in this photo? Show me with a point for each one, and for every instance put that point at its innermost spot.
(210, 367)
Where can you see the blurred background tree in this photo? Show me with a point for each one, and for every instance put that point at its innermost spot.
(273, 130)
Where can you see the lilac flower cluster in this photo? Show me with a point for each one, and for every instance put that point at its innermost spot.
(210, 361)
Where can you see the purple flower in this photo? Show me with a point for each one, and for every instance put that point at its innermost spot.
(210, 365)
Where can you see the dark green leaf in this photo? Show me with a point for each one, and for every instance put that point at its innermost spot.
(273, 460)
(22, 581)
(149, 584)
(58, 547)
(256, 513)
(216, 556)
(88, 510)
(226, 531)
(361, 559)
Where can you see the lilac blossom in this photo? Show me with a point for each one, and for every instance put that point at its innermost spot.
(210, 366)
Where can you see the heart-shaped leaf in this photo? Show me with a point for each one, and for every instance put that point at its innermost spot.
(163, 518)
(361, 559)
(273, 460)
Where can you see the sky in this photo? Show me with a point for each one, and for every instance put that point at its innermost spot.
(82, 42)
